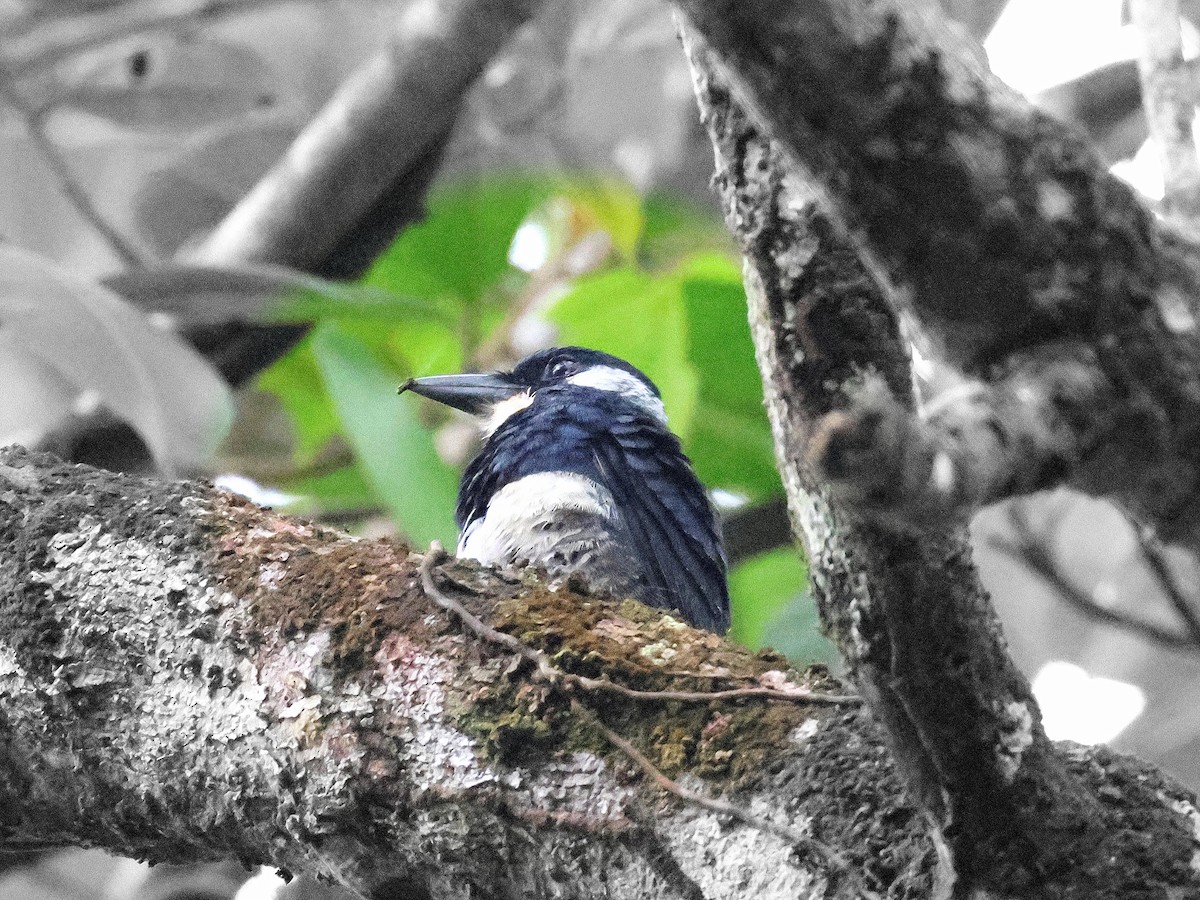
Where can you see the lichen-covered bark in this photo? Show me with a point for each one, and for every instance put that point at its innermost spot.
(185, 676)
(1006, 236)
(906, 606)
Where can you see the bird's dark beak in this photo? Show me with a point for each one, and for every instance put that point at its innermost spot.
(475, 394)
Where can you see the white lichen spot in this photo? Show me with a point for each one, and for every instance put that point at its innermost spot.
(780, 872)
(580, 785)
(804, 731)
(1175, 307)
(942, 474)
(142, 584)
(9, 665)
(1054, 201)
(270, 574)
(14, 679)
(295, 708)
(795, 198)
(660, 652)
(438, 754)
(1192, 814)
(860, 594)
(249, 684)
(1016, 736)
(316, 645)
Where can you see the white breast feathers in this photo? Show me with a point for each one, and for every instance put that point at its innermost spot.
(554, 520)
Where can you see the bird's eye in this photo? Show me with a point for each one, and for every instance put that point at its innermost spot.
(563, 368)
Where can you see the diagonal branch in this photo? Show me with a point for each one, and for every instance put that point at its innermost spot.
(388, 115)
(1032, 551)
(1005, 237)
(1169, 97)
(156, 637)
(67, 180)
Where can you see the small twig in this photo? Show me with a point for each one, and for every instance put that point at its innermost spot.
(1155, 557)
(1169, 98)
(554, 675)
(1032, 553)
(831, 857)
(53, 43)
(540, 661)
(799, 695)
(70, 185)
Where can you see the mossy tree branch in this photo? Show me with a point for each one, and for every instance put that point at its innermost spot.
(184, 676)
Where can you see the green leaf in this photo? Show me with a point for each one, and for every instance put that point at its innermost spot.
(759, 588)
(731, 444)
(795, 631)
(396, 453)
(424, 348)
(613, 205)
(675, 228)
(216, 294)
(640, 318)
(459, 251)
(344, 488)
(98, 342)
(297, 381)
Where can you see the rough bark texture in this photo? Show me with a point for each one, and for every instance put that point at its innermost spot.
(1038, 273)
(185, 676)
(905, 606)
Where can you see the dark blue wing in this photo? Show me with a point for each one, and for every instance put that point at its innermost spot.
(670, 521)
(547, 439)
(671, 535)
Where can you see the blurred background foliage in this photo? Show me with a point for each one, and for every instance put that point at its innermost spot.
(571, 205)
(499, 267)
(564, 213)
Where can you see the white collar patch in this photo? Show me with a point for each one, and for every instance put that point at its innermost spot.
(504, 410)
(608, 378)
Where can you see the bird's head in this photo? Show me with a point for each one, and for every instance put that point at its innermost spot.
(496, 396)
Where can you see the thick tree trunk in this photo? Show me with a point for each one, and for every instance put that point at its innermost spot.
(1037, 273)
(870, 167)
(184, 676)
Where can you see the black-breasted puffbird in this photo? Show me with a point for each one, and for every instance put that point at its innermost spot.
(579, 475)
